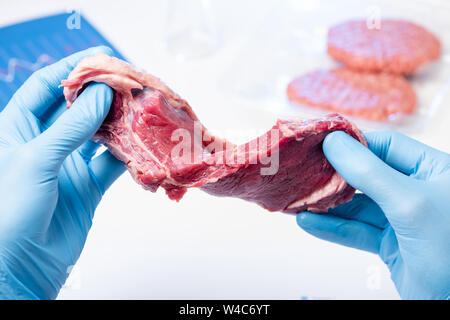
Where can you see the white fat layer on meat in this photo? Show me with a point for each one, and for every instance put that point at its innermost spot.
(335, 184)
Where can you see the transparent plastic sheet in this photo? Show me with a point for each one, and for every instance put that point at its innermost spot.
(291, 41)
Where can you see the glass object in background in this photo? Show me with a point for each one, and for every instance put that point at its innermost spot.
(191, 31)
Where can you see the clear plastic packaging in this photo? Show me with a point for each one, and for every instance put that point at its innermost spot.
(291, 41)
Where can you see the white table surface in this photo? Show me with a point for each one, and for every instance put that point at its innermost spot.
(143, 245)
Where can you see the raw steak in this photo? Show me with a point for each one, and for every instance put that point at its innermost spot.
(398, 47)
(283, 170)
(375, 96)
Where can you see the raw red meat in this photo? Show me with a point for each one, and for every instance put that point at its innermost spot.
(283, 170)
(375, 96)
(398, 47)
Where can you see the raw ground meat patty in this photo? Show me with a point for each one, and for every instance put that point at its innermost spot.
(148, 122)
(368, 95)
(398, 47)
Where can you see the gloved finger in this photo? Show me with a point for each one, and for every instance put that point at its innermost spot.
(88, 149)
(389, 252)
(106, 169)
(349, 233)
(362, 209)
(19, 125)
(363, 170)
(405, 154)
(53, 113)
(41, 90)
(75, 126)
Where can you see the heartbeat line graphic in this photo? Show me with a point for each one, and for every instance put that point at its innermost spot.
(14, 64)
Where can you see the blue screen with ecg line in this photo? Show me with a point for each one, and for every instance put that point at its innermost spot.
(31, 45)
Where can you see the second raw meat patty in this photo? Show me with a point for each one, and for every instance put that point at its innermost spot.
(368, 95)
(398, 46)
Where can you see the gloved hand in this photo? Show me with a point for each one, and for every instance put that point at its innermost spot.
(403, 214)
(49, 186)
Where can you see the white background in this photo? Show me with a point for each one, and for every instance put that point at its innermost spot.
(143, 245)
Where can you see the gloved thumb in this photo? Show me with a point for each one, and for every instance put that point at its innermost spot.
(75, 126)
(363, 170)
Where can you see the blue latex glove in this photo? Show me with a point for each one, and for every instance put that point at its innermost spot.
(403, 214)
(49, 186)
